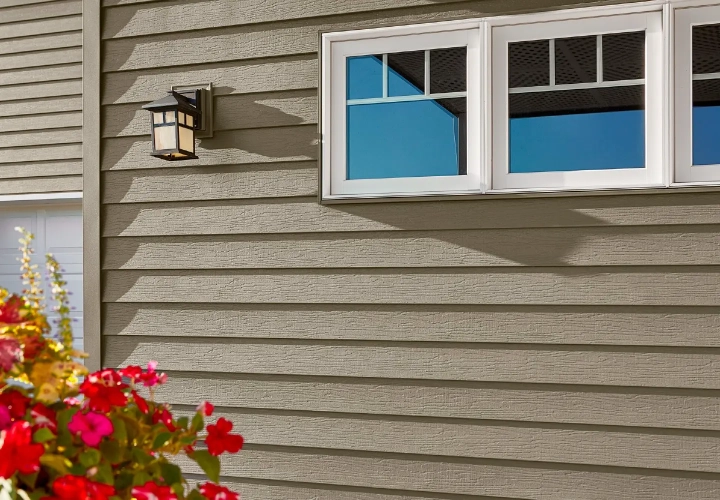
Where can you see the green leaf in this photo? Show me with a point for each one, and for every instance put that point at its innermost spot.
(111, 451)
(161, 439)
(124, 480)
(56, 462)
(43, 435)
(119, 429)
(182, 422)
(28, 479)
(179, 489)
(77, 469)
(210, 464)
(104, 474)
(141, 457)
(141, 478)
(171, 473)
(197, 422)
(195, 495)
(90, 458)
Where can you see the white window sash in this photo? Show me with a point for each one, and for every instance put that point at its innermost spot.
(334, 129)
(685, 19)
(652, 174)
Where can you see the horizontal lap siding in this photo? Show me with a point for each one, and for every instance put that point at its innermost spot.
(40, 96)
(541, 348)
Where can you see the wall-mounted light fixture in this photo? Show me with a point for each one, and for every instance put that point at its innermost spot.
(177, 118)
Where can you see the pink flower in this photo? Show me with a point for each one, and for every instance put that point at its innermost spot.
(153, 491)
(91, 426)
(10, 353)
(151, 377)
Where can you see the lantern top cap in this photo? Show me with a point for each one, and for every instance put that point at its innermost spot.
(173, 101)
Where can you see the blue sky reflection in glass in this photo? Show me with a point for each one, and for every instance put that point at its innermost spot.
(570, 111)
(394, 127)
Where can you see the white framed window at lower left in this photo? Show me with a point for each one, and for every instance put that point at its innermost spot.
(401, 111)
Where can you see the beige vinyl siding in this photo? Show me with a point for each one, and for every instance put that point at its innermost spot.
(545, 348)
(40, 96)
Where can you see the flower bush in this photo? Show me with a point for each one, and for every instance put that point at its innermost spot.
(66, 434)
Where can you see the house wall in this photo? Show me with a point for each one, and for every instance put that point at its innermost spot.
(519, 347)
(40, 96)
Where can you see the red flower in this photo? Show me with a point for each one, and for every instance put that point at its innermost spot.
(103, 390)
(132, 372)
(206, 408)
(140, 402)
(44, 417)
(18, 452)
(220, 440)
(213, 491)
(80, 488)
(16, 402)
(32, 346)
(165, 417)
(13, 310)
(153, 491)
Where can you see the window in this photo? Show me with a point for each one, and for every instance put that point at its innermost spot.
(697, 94)
(404, 110)
(578, 103)
(623, 96)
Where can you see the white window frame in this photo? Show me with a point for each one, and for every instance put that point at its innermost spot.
(585, 22)
(339, 46)
(688, 15)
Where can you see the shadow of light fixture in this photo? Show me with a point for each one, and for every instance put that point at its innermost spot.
(177, 119)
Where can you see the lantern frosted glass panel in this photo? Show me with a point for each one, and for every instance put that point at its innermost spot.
(187, 140)
(165, 138)
(190, 121)
(169, 116)
(157, 118)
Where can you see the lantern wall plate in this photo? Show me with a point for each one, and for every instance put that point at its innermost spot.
(204, 94)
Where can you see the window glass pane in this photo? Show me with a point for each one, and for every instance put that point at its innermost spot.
(706, 49)
(576, 60)
(406, 73)
(529, 63)
(706, 95)
(181, 117)
(406, 139)
(169, 116)
(448, 70)
(364, 77)
(157, 117)
(189, 120)
(165, 138)
(623, 56)
(567, 128)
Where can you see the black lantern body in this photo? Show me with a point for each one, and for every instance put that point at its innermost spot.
(173, 120)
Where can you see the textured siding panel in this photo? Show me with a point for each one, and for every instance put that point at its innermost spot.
(40, 102)
(548, 348)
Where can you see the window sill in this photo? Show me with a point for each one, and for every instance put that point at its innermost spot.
(680, 188)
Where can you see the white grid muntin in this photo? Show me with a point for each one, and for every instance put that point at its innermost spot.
(685, 19)
(649, 20)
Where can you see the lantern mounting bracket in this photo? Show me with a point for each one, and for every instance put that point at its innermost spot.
(201, 96)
